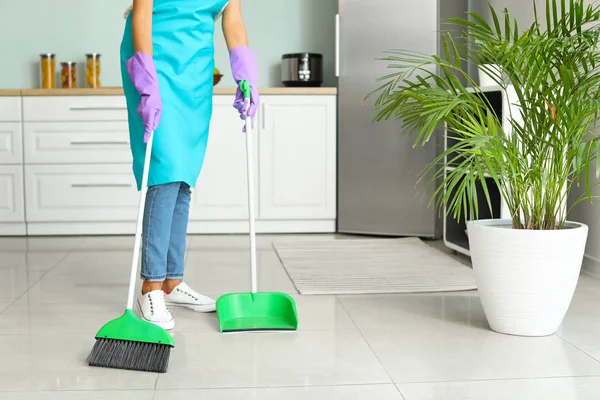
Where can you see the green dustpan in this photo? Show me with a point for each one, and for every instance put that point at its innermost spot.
(265, 311)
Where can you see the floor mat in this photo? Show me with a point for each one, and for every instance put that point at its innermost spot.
(369, 266)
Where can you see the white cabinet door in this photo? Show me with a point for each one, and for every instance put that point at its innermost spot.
(12, 202)
(76, 193)
(221, 191)
(11, 143)
(10, 109)
(298, 158)
(74, 108)
(105, 142)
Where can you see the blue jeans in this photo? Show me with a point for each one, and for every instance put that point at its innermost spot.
(164, 231)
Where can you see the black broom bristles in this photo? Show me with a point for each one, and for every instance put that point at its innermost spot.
(124, 354)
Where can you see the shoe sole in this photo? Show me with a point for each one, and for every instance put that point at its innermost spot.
(167, 326)
(201, 309)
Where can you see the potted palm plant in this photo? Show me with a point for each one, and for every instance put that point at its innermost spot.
(526, 267)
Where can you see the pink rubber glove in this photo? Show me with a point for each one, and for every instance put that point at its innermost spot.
(143, 75)
(244, 67)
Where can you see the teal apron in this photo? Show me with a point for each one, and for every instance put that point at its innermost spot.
(183, 51)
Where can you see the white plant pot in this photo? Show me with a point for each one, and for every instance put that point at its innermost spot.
(526, 278)
(487, 72)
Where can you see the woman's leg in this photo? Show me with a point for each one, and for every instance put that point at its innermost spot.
(158, 218)
(177, 244)
(179, 294)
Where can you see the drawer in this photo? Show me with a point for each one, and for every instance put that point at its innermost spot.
(74, 108)
(76, 143)
(10, 109)
(75, 193)
(11, 143)
(12, 203)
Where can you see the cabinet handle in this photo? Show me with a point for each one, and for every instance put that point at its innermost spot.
(81, 185)
(337, 45)
(98, 108)
(264, 116)
(98, 142)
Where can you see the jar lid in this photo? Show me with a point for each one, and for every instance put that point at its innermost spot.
(48, 55)
(93, 55)
(68, 63)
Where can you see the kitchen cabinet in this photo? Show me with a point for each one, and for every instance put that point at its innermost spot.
(65, 168)
(297, 158)
(80, 193)
(12, 201)
(12, 209)
(220, 193)
(10, 109)
(74, 108)
(76, 142)
(11, 143)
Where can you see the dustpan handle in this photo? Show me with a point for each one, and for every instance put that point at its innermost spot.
(245, 88)
(139, 225)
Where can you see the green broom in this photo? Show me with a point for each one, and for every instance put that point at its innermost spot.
(129, 342)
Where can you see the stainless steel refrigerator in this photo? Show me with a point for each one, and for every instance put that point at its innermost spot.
(378, 168)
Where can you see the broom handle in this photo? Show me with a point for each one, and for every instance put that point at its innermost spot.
(250, 172)
(246, 90)
(140, 223)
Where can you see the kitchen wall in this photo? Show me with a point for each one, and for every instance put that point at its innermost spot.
(520, 9)
(71, 28)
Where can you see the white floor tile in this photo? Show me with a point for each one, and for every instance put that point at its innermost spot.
(309, 358)
(431, 353)
(55, 322)
(57, 362)
(522, 389)
(227, 272)
(124, 242)
(72, 295)
(393, 312)
(321, 312)
(234, 242)
(581, 326)
(16, 282)
(78, 395)
(13, 244)
(32, 260)
(96, 259)
(362, 392)
(44, 243)
(589, 284)
(4, 305)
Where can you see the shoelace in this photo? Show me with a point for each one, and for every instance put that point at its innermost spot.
(159, 301)
(185, 289)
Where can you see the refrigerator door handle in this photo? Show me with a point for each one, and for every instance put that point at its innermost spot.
(337, 45)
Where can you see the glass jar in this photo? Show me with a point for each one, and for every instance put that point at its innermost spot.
(48, 71)
(92, 70)
(68, 75)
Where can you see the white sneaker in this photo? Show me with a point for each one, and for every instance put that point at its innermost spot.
(153, 309)
(185, 296)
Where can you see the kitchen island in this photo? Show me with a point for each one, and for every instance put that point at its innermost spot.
(65, 164)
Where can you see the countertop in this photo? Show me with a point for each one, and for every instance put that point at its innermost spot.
(10, 92)
(116, 91)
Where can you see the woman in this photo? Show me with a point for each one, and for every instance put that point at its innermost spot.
(167, 64)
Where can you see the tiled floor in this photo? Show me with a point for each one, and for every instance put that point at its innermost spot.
(59, 291)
